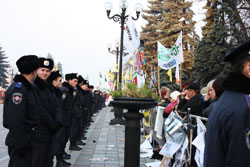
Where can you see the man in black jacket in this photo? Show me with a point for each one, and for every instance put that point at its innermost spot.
(72, 81)
(55, 79)
(20, 113)
(50, 116)
(68, 94)
(191, 100)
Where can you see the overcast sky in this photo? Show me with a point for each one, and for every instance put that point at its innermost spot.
(75, 32)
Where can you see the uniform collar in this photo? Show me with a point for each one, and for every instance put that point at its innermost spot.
(237, 82)
(23, 80)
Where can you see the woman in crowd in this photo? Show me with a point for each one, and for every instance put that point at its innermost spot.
(173, 102)
(214, 92)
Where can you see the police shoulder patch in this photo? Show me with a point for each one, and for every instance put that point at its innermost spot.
(18, 85)
(17, 98)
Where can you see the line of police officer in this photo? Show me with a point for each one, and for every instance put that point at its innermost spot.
(42, 113)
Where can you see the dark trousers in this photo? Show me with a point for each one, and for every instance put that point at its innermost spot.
(17, 160)
(58, 142)
(67, 135)
(42, 155)
(75, 129)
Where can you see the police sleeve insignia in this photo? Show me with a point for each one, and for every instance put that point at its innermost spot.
(17, 98)
(63, 96)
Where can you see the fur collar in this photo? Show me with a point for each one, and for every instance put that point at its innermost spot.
(58, 92)
(40, 83)
(237, 82)
(70, 88)
(23, 80)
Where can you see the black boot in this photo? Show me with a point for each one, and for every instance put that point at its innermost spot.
(66, 156)
(80, 143)
(84, 138)
(74, 147)
(62, 163)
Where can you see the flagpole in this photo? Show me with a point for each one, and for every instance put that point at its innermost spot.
(180, 76)
(158, 69)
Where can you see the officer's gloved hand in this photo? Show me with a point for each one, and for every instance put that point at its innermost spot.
(55, 127)
(21, 152)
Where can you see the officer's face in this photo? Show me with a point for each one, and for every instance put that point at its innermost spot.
(85, 87)
(246, 69)
(58, 82)
(73, 82)
(43, 73)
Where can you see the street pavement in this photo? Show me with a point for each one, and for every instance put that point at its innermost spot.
(104, 145)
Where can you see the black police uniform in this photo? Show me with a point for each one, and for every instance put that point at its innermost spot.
(50, 123)
(76, 119)
(21, 117)
(228, 127)
(85, 110)
(67, 109)
(59, 138)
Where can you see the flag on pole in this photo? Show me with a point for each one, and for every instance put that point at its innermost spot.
(131, 36)
(177, 74)
(169, 58)
(170, 74)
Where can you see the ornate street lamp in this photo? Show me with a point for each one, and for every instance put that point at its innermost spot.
(115, 52)
(121, 19)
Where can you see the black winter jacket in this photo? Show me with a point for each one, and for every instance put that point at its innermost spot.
(49, 110)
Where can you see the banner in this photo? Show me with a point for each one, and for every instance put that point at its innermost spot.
(169, 58)
(131, 37)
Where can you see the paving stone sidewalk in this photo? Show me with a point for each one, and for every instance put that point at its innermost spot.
(104, 148)
(105, 144)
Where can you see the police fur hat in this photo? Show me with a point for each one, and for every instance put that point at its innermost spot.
(194, 86)
(46, 63)
(54, 75)
(27, 64)
(85, 82)
(238, 53)
(91, 87)
(80, 79)
(71, 76)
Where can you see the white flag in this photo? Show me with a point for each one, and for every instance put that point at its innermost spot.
(169, 58)
(131, 37)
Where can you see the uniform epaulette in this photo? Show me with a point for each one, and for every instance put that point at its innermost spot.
(18, 85)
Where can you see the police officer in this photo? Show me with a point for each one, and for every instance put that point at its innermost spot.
(68, 94)
(228, 127)
(86, 107)
(20, 113)
(55, 79)
(72, 80)
(50, 115)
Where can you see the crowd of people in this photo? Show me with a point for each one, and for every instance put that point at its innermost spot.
(225, 105)
(43, 113)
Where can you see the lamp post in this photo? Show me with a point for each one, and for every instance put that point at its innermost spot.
(115, 52)
(121, 19)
